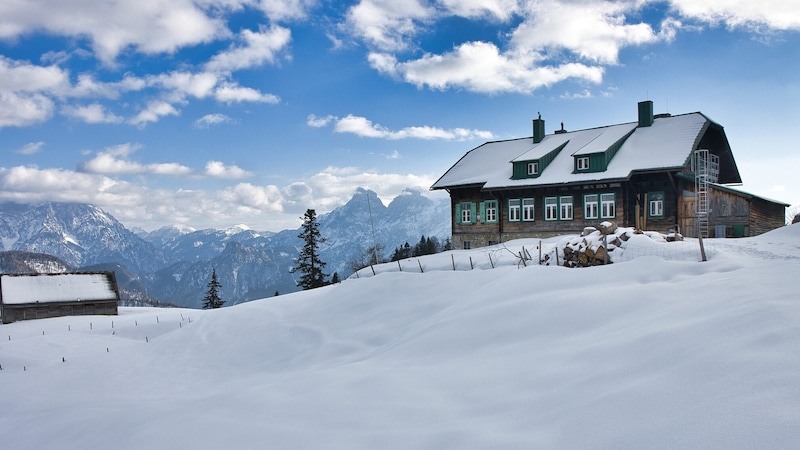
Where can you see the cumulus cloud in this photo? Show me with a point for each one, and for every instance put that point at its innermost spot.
(160, 27)
(258, 48)
(93, 113)
(388, 24)
(219, 170)
(361, 126)
(210, 120)
(770, 14)
(153, 112)
(114, 161)
(233, 93)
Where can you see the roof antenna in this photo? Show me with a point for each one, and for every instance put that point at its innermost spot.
(540, 115)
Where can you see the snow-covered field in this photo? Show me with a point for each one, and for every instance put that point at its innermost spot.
(649, 352)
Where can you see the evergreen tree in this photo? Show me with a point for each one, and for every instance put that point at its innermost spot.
(335, 278)
(308, 262)
(212, 300)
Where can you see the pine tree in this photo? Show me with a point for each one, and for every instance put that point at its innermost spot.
(308, 262)
(212, 300)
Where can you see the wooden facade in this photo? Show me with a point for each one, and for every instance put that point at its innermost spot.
(41, 296)
(648, 192)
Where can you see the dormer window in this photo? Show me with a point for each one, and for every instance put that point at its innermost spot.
(583, 163)
(533, 168)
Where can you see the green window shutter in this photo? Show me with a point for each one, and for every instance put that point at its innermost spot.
(483, 212)
(472, 216)
(458, 213)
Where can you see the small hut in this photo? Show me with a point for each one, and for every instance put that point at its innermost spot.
(39, 296)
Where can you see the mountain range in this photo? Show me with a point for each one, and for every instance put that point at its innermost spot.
(173, 265)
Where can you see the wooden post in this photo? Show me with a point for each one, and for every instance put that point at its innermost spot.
(540, 253)
(399, 266)
(420, 266)
(522, 257)
(373, 270)
(702, 247)
(471, 267)
(605, 246)
(453, 260)
(557, 256)
(490, 260)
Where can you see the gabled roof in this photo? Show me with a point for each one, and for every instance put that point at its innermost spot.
(59, 287)
(665, 145)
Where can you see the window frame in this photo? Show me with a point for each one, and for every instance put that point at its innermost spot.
(582, 163)
(587, 203)
(565, 201)
(528, 210)
(466, 209)
(489, 208)
(603, 203)
(514, 210)
(533, 168)
(550, 209)
(659, 201)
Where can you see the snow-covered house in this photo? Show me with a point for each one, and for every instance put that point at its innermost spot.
(38, 296)
(662, 172)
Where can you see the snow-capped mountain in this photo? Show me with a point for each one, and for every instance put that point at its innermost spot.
(78, 234)
(175, 264)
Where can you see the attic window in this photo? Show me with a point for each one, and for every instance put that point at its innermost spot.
(533, 168)
(583, 163)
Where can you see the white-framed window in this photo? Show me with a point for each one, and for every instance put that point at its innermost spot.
(527, 209)
(656, 200)
(513, 210)
(565, 204)
(465, 213)
(591, 206)
(608, 206)
(551, 208)
(583, 163)
(490, 211)
(533, 168)
(467, 245)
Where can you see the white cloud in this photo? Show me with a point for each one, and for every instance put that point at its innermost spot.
(154, 111)
(219, 170)
(772, 14)
(231, 92)
(30, 148)
(480, 67)
(24, 109)
(93, 113)
(361, 126)
(261, 206)
(148, 26)
(319, 122)
(279, 10)
(212, 119)
(259, 48)
(114, 161)
(388, 24)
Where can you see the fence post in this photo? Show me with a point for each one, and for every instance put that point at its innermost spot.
(702, 247)
(453, 261)
(420, 266)
(490, 260)
(471, 267)
(399, 266)
(540, 253)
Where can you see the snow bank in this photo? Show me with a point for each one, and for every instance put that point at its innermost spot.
(653, 353)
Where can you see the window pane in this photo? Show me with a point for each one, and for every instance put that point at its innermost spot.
(527, 209)
(513, 210)
(550, 208)
(566, 207)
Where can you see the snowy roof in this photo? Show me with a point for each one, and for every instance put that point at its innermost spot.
(666, 144)
(61, 287)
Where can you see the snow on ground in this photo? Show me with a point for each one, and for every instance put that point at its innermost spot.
(652, 352)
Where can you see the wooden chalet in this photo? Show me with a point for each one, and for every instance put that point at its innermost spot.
(39, 296)
(660, 173)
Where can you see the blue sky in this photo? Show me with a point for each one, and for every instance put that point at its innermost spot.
(211, 113)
